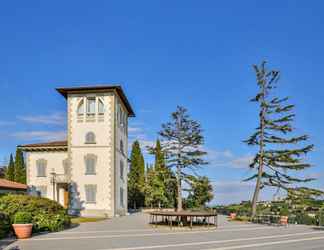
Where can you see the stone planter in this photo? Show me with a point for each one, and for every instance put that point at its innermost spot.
(23, 231)
(284, 220)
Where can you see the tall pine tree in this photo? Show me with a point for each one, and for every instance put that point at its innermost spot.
(20, 168)
(136, 178)
(182, 141)
(10, 171)
(278, 158)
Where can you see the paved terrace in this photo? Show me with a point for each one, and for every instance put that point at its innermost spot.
(133, 233)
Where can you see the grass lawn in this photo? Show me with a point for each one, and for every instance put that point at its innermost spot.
(78, 220)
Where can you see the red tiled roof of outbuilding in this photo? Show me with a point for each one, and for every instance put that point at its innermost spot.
(12, 185)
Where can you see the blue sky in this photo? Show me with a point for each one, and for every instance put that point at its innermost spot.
(164, 53)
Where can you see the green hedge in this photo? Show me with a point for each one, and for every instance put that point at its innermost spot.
(303, 218)
(47, 215)
(4, 225)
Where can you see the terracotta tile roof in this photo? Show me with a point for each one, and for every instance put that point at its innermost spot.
(46, 144)
(11, 184)
(99, 88)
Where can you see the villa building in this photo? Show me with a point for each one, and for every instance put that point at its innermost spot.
(87, 173)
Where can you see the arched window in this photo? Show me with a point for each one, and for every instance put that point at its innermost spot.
(80, 109)
(101, 106)
(121, 146)
(90, 138)
(90, 164)
(91, 105)
(41, 167)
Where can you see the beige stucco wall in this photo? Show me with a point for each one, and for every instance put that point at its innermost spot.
(121, 134)
(54, 162)
(107, 150)
(77, 130)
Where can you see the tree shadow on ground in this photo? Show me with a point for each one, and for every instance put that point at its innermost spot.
(4, 243)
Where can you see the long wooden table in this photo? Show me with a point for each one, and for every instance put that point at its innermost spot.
(209, 218)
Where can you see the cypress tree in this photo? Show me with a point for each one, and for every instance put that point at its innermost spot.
(10, 171)
(20, 168)
(136, 177)
(278, 157)
(155, 191)
(163, 177)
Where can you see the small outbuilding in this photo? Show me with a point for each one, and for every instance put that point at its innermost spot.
(7, 186)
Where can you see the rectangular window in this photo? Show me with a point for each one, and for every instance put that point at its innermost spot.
(41, 168)
(42, 191)
(121, 170)
(90, 165)
(121, 196)
(101, 107)
(91, 105)
(90, 193)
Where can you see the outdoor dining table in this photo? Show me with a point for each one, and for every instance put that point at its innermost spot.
(209, 218)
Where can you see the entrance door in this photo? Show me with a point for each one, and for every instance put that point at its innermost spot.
(66, 198)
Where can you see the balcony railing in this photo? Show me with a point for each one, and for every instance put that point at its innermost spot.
(62, 178)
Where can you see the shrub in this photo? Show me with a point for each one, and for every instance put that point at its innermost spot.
(4, 225)
(242, 218)
(54, 223)
(46, 214)
(305, 219)
(22, 218)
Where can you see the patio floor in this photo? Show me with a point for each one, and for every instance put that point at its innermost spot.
(133, 233)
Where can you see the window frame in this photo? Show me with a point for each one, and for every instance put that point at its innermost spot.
(121, 147)
(121, 170)
(81, 105)
(88, 106)
(87, 189)
(87, 141)
(101, 102)
(93, 158)
(42, 173)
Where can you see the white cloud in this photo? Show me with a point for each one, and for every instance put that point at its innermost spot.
(226, 192)
(41, 135)
(137, 132)
(226, 158)
(217, 157)
(134, 130)
(56, 118)
(242, 162)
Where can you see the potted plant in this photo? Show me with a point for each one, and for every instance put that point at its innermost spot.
(232, 216)
(22, 225)
(284, 212)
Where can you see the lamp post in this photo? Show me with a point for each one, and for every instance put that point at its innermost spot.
(53, 181)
